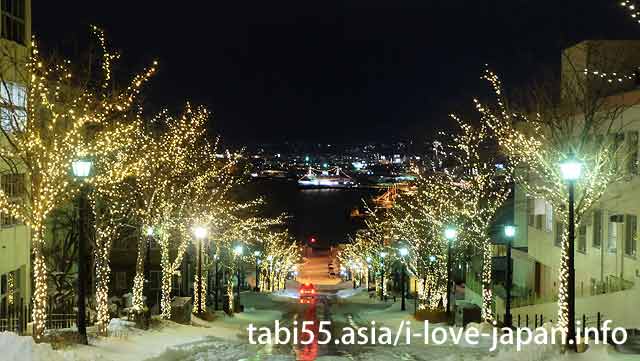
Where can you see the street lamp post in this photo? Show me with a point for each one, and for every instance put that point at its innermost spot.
(368, 272)
(403, 253)
(509, 233)
(215, 282)
(200, 233)
(81, 170)
(571, 170)
(270, 259)
(382, 256)
(450, 234)
(147, 267)
(237, 251)
(256, 254)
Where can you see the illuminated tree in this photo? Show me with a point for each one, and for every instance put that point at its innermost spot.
(419, 218)
(44, 131)
(484, 185)
(542, 130)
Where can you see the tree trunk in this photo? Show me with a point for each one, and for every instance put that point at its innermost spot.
(138, 280)
(103, 276)
(167, 275)
(487, 293)
(39, 312)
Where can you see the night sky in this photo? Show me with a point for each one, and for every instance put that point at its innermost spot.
(331, 71)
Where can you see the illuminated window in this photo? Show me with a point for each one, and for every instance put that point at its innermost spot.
(13, 114)
(13, 24)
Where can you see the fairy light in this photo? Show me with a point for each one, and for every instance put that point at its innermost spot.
(632, 8)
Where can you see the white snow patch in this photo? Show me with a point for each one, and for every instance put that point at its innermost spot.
(23, 348)
(349, 292)
(120, 328)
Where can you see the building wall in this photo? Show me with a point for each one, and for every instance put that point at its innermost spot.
(15, 241)
(596, 265)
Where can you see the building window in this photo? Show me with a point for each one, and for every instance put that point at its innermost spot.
(612, 242)
(582, 239)
(13, 185)
(13, 114)
(121, 280)
(548, 210)
(630, 241)
(557, 240)
(156, 280)
(597, 228)
(13, 24)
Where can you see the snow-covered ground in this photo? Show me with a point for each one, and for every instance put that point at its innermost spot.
(225, 339)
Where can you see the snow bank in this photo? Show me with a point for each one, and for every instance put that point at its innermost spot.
(286, 293)
(119, 328)
(349, 292)
(23, 348)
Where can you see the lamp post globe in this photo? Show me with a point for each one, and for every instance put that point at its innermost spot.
(200, 232)
(81, 167)
(450, 233)
(571, 169)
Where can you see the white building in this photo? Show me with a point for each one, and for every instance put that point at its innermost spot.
(606, 257)
(15, 243)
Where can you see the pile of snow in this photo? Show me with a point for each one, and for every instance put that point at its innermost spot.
(287, 293)
(349, 292)
(119, 328)
(23, 348)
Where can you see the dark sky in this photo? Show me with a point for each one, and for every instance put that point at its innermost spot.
(342, 71)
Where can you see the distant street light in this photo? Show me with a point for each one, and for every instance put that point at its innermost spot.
(450, 234)
(238, 251)
(147, 267)
(382, 256)
(257, 254)
(509, 233)
(403, 253)
(269, 280)
(369, 259)
(215, 282)
(571, 170)
(81, 170)
(200, 233)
